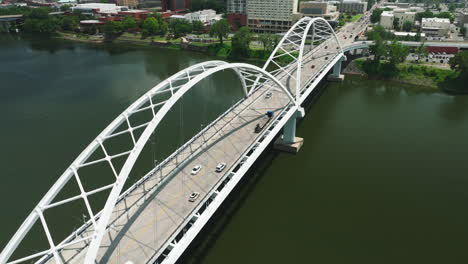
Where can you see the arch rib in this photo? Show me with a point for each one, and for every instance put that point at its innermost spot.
(93, 249)
(82, 158)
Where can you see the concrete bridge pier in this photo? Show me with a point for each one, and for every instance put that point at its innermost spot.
(288, 142)
(336, 76)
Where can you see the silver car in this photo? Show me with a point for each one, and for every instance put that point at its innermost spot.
(220, 167)
(196, 169)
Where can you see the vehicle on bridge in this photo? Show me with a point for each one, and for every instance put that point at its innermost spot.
(194, 196)
(196, 169)
(264, 121)
(220, 166)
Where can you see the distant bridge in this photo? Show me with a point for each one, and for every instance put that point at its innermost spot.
(153, 221)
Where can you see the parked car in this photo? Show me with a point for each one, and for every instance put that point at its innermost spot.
(268, 95)
(196, 169)
(194, 196)
(220, 167)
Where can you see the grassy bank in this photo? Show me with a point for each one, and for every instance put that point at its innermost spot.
(431, 78)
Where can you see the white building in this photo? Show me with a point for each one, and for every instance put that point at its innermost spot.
(270, 15)
(403, 15)
(386, 19)
(93, 8)
(435, 27)
(207, 16)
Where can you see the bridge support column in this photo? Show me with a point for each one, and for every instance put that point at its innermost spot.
(336, 76)
(288, 142)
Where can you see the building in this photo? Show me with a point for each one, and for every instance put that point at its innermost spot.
(207, 17)
(386, 19)
(99, 8)
(462, 19)
(270, 16)
(136, 14)
(236, 11)
(411, 34)
(129, 3)
(352, 6)
(319, 9)
(402, 15)
(435, 27)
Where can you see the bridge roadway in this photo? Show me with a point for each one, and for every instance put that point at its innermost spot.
(151, 216)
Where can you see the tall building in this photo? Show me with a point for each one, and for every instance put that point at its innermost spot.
(236, 13)
(270, 16)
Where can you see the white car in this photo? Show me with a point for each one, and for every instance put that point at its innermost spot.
(196, 169)
(194, 196)
(220, 167)
(268, 95)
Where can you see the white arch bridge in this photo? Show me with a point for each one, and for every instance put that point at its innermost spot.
(153, 221)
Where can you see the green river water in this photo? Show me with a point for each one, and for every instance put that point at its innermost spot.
(382, 176)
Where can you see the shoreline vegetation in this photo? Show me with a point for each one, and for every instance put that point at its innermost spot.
(424, 77)
(428, 78)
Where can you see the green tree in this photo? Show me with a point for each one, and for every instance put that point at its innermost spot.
(396, 24)
(421, 51)
(150, 26)
(463, 31)
(65, 8)
(426, 14)
(452, 7)
(379, 49)
(376, 13)
(397, 53)
(129, 23)
(407, 26)
(460, 63)
(380, 32)
(46, 26)
(69, 23)
(180, 27)
(446, 15)
(220, 30)
(198, 26)
(241, 42)
(268, 41)
(39, 13)
(112, 28)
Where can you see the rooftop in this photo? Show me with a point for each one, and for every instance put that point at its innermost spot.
(435, 19)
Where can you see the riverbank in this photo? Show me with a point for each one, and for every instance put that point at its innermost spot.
(256, 54)
(426, 77)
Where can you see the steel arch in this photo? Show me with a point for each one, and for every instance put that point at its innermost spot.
(321, 31)
(99, 221)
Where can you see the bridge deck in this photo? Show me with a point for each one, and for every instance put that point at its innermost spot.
(146, 219)
(149, 217)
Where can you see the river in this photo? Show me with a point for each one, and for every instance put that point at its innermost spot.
(381, 178)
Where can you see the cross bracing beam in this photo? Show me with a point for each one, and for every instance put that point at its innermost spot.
(148, 102)
(317, 30)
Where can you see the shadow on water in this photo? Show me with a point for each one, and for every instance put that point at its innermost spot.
(207, 238)
(456, 109)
